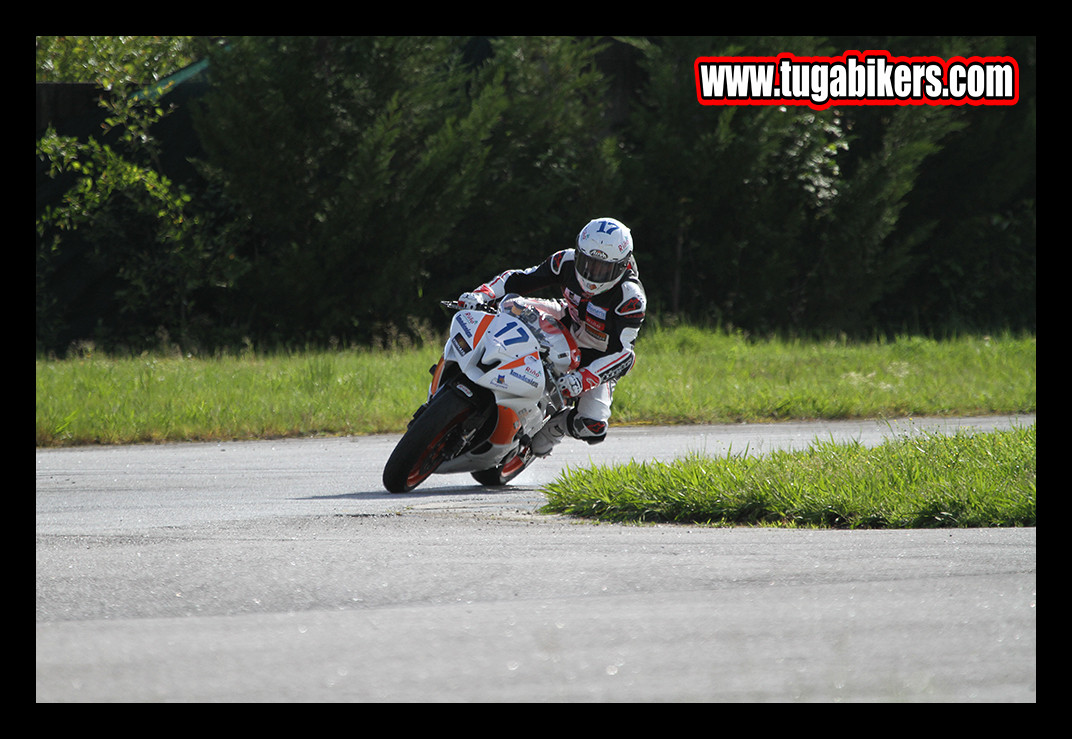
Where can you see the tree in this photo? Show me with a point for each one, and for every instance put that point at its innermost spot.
(374, 169)
(115, 61)
(975, 203)
(353, 159)
(730, 197)
(337, 187)
(851, 219)
(126, 231)
(553, 158)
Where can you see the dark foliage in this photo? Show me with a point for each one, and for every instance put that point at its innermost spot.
(336, 188)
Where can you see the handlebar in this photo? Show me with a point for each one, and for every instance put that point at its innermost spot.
(492, 307)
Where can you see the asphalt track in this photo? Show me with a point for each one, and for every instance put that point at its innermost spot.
(280, 571)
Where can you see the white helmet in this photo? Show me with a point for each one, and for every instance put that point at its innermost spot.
(604, 251)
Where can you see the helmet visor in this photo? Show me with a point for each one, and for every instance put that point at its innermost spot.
(598, 270)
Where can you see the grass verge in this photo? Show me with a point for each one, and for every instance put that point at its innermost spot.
(915, 481)
(684, 375)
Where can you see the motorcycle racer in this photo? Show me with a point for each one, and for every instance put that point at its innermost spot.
(603, 304)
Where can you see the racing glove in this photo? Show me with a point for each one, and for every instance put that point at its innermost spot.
(473, 300)
(574, 383)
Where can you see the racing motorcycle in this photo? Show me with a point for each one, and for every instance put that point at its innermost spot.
(492, 389)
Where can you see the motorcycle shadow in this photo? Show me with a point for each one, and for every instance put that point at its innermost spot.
(432, 491)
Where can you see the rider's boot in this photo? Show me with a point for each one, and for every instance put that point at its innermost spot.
(544, 440)
(567, 421)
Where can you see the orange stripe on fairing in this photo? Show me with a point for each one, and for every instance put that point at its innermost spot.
(484, 323)
(518, 362)
(507, 427)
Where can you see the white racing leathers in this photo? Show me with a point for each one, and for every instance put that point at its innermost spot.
(605, 327)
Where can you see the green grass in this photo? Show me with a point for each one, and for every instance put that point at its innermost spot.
(917, 481)
(109, 400)
(687, 375)
(684, 375)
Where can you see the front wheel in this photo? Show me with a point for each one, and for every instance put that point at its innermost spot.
(427, 443)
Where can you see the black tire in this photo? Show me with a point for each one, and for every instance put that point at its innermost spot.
(504, 473)
(424, 445)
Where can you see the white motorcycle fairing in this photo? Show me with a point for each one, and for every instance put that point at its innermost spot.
(508, 358)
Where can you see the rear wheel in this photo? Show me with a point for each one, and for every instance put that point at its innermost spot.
(506, 471)
(431, 439)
